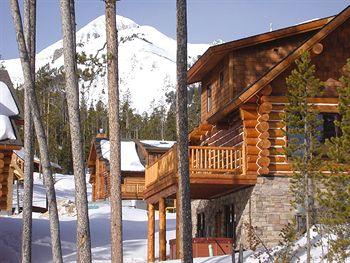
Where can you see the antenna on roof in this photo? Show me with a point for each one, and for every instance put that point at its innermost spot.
(271, 27)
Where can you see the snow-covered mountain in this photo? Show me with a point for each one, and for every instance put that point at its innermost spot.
(146, 61)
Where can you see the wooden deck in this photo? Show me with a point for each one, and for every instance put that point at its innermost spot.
(214, 171)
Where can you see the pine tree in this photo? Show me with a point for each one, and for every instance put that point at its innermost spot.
(72, 93)
(182, 135)
(303, 149)
(30, 37)
(40, 132)
(334, 197)
(114, 132)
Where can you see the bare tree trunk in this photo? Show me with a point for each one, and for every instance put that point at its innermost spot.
(41, 137)
(30, 37)
(114, 132)
(182, 134)
(72, 94)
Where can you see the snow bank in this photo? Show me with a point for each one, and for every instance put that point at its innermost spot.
(130, 160)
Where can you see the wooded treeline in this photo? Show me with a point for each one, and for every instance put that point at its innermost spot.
(158, 123)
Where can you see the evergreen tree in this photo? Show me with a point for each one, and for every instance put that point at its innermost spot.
(30, 37)
(40, 132)
(303, 149)
(83, 241)
(335, 196)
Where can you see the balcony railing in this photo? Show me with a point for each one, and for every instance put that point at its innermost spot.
(133, 188)
(202, 160)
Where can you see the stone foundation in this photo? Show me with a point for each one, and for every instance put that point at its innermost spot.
(265, 206)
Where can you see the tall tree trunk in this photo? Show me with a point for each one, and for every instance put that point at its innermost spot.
(72, 94)
(182, 134)
(30, 37)
(114, 132)
(41, 137)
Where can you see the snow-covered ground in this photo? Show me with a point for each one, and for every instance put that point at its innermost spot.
(134, 232)
(134, 228)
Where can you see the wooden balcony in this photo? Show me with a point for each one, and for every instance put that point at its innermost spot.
(132, 188)
(214, 171)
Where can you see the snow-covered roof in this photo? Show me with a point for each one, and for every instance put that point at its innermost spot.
(130, 160)
(8, 109)
(159, 144)
(20, 153)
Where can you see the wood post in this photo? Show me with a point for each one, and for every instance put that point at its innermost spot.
(150, 237)
(162, 230)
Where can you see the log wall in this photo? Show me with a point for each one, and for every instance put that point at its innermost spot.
(242, 68)
(6, 180)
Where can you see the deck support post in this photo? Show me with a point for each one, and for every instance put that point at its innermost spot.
(150, 236)
(162, 230)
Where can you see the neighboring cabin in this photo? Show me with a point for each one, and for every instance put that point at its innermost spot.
(10, 119)
(239, 173)
(135, 155)
(17, 163)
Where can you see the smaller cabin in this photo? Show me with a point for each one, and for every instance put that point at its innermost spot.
(10, 119)
(135, 156)
(17, 163)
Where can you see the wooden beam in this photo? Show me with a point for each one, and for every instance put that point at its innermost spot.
(162, 230)
(150, 236)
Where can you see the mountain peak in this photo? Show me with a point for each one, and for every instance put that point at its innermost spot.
(147, 62)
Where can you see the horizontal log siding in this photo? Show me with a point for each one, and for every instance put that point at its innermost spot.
(278, 164)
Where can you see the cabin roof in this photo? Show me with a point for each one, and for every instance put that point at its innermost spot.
(285, 63)
(130, 161)
(10, 112)
(215, 53)
(20, 153)
(156, 146)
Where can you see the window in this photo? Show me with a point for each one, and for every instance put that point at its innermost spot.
(209, 98)
(229, 221)
(200, 225)
(328, 128)
(221, 79)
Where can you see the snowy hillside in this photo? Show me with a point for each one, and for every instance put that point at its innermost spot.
(146, 63)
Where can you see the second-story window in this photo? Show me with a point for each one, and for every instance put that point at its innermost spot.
(221, 79)
(209, 101)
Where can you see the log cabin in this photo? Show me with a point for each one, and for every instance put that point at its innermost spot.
(239, 174)
(135, 156)
(10, 119)
(17, 164)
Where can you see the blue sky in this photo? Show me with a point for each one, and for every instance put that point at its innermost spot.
(208, 20)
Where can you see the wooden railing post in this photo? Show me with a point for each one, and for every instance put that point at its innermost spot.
(243, 156)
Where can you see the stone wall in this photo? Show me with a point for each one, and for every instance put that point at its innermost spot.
(266, 206)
